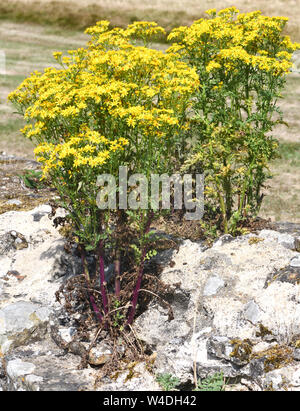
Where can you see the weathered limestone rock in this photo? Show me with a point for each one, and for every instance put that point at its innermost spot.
(136, 378)
(42, 366)
(233, 305)
(21, 323)
(283, 379)
(226, 295)
(286, 240)
(33, 249)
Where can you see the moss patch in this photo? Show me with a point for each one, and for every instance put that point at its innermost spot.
(242, 350)
(263, 331)
(275, 357)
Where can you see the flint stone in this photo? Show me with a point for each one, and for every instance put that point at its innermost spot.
(6, 243)
(220, 347)
(21, 323)
(213, 285)
(252, 312)
(295, 262)
(257, 367)
(100, 354)
(67, 334)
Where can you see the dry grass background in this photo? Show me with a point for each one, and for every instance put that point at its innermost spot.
(168, 13)
(30, 30)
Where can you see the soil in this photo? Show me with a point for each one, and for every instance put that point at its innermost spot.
(14, 194)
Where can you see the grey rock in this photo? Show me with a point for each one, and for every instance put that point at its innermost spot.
(226, 238)
(296, 354)
(252, 312)
(295, 262)
(213, 285)
(215, 260)
(67, 334)
(286, 240)
(64, 265)
(199, 337)
(160, 330)
(6, 243)
(21, 323)
(220, 347)
(257, 367)
(231, 316)
(41, 366)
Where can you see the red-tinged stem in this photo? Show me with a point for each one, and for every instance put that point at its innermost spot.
(87, 279)
(102, 277)
(140, 274)
(117, 269)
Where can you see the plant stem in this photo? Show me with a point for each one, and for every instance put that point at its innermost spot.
(102, 277)
(87, 279)
(117, 265)
(223, 210)
(140, 274)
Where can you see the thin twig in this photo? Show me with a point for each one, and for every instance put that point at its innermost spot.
(94, 340)
(137, 340)
(118, 309)
(128, 341)
(194, 345)
(140, 273)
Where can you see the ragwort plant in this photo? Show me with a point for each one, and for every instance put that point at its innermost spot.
(111, 104)
(242, 60)
(117, 103)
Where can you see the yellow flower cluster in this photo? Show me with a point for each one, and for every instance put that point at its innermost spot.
(108, 39)
(111, 88)
(87, 148)
(230, 38)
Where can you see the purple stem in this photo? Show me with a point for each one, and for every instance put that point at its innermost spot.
(140, 275)
(102, 278)
(117, 268)
(87, 279)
